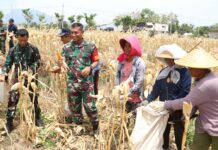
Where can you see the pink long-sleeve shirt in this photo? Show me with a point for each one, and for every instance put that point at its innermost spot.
(205, 96)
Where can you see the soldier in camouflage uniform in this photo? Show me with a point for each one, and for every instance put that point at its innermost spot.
(3, 32)
(25, 57)
(81, 57)
(66, 37)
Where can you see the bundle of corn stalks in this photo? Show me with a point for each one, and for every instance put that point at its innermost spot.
(187, 108)
(2, 59)
(27, 126)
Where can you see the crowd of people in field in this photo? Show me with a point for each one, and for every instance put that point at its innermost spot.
(172, 85)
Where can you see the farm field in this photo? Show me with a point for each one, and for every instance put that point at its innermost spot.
(114, 132)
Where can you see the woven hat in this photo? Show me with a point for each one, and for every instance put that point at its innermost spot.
(198, 58)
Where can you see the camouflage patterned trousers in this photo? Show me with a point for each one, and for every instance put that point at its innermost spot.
(81, 97)
(2, 46)
(13, 99)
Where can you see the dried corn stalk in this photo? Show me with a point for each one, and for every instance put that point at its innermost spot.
(187, 108)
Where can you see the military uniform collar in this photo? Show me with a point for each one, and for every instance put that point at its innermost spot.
(23, 48)
(81, 44)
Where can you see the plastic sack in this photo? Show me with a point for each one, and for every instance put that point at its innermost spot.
(149, 127)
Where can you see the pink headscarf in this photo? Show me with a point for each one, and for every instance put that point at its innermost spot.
(135, 45)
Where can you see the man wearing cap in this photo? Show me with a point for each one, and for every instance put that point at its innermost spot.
(12, 29)
(25, 57)
(204, 95)
(173, 82)
(3, 32)
(65, 35)
(81, 57)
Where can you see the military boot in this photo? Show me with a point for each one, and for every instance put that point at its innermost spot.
(38, 121)
(9, 125)
(95, 128)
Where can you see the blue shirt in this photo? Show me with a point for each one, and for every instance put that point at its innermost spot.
(12, 28)
(166, 90)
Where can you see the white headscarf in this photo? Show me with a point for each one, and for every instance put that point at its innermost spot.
(177, 53)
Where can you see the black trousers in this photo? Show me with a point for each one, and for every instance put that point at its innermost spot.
(95, 80)
(178, 125)
(11, 43)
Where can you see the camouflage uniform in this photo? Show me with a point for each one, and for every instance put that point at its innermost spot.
(79, 88)
(24, 58)
(2, 39)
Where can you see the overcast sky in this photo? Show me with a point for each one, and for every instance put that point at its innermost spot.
(197, 12)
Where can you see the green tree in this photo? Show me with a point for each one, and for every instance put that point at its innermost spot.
(173, 23)
(41, 19)
(147, 15)
(79, 18)
(27, 15)
(117, 21)
(186, 28)
(1, 14)
(71, 18)
(60, 19)
(126, 21)
(34, 24)
(201, 31)
(89, 19)
(165, 19)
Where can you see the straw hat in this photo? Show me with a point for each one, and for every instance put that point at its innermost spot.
(198, 58)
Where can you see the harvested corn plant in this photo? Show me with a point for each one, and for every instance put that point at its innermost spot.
(114, 126)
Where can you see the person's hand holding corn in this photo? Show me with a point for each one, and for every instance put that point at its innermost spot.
(2, 78)
(57, 69)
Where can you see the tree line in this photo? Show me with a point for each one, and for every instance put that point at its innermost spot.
(60, 22)
(128, 21)
(148, 16)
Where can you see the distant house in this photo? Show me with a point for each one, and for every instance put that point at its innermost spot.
(157, 27)
(213, 33)
(187, 34)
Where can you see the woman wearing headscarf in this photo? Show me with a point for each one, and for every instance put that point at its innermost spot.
(173, 82)
(204, 95)
(131, 68)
